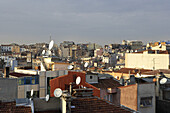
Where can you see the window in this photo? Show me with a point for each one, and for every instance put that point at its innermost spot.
(37, 80)
(21, 81)
(48, 84)
(33, 80)
(91, 77)
(27, 80)
(35, 94)
(146, 102)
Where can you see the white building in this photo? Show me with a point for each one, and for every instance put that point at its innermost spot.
(149, 59)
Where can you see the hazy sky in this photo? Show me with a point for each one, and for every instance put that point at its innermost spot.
(100, 21)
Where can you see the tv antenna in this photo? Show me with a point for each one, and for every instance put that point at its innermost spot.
(57, 92)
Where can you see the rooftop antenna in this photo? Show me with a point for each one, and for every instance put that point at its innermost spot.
(47, 98)
(57, 92)
(163, 80)
(50, 37)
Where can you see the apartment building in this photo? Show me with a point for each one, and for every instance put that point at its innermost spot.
(139, 97)
(148, 59)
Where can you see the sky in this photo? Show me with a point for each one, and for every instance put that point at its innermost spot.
(83, 21)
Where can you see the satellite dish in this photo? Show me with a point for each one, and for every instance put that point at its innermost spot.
(163, 81)
(57, 92)
(43, 52)
(160, 45)
(32, 92)
(51, 44)
(78, 80)
(48, 53)
(70, 67)
(47, 98)
(86, 64)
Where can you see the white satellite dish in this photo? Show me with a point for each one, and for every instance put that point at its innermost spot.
(47, 98)
(70, 67)
(43, 52)
(57, 92)
(32, 91)
(86, 64)
(51, 44)
(78, 80)
(160, 45)
(163, 81)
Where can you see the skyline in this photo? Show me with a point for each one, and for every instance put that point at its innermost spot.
(95, 21)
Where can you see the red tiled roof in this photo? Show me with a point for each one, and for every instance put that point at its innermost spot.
(107, 83)
(20, 74)
(10, 107)
(95, 105)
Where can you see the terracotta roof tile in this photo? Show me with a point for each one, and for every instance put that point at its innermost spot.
(10, 107)
(95, 105)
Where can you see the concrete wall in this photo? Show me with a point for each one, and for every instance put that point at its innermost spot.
(8, 89)
(146, 90)
(60, 66)
(147, 61)
(22, 90)
(42, 105)
(43, 79)
(94, 78)
(34, 72)
(128, 96)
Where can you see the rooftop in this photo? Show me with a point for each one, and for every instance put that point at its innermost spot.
(95, 105)
(132, 70)
(10, 107)
(20, 74)
(107, 83)
(154, 52)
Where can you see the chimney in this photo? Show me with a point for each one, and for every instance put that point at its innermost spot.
(6, 72)
(66, 102)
